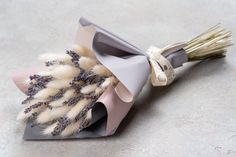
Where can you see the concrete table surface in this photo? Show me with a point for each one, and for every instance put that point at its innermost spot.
(195, 116)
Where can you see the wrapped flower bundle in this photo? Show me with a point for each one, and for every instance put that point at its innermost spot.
(87, 91)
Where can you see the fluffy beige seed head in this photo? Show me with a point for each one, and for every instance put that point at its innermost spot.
(83, 51)
(88, 89)
(77, 108)
(59, 83)
(98, 90)
(65, 71)
(88, 115)
(69, 93)
(49, 129)
(101, 70)
(87, 63)
(57, 103)
(55, 57)
(44, 117)
(46, 92)
(108, 81)
(22, 116)
(70, 129)
(52, 114)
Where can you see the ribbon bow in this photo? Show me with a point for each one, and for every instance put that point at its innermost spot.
(162, 71)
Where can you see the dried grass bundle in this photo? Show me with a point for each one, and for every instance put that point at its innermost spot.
(211, 43)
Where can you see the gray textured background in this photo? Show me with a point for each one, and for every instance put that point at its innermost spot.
(195, 116)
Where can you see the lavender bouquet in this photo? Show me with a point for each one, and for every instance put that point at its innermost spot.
(87, 91)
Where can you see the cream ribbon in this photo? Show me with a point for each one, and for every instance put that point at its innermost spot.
(162, 72)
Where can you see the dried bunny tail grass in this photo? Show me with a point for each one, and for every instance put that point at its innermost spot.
(49, 129)
(101, 70)
(87, 63)
(69, 93)
(61, 71)
(46, 93)
(88, 89)
(78, 108)
(58, 84)
(83, 51)
(212, 43)
(64, 71)
(32, 102)
(22, 116)
(47, 57)
(109, 81)
(27, 112)
(57, 103)
(71, 129)
(49, 115)
(76, 126)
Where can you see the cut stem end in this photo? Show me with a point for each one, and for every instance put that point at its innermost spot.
(213, 43)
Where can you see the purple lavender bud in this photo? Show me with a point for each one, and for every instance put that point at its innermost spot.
(75, 57)
(41, 82)
(58, 95)
(63, 122)
(53, 62)
(34, 106)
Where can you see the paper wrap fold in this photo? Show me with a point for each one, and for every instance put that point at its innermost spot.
(128, 63)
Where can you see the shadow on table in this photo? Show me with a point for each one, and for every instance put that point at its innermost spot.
(149, 94)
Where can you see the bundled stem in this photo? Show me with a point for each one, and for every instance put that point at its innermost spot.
(210, 44)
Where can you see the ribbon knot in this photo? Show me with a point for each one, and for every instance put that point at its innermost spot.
(162, 72)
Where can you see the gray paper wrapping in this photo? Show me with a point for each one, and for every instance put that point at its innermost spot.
(128, 63)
